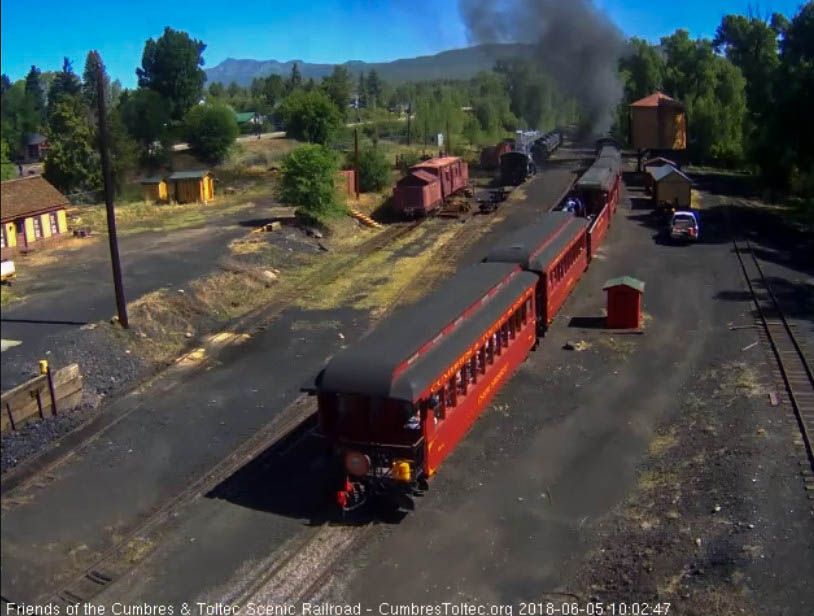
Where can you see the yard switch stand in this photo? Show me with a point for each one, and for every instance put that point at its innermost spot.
(121, 305)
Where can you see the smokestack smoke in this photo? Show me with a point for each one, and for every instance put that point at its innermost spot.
(577, 46)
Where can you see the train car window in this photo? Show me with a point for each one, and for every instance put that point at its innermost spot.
(524, 312)
(473, 368)
(482, 359)
(452, 398)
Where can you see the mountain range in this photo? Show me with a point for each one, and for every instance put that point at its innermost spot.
(452, 64)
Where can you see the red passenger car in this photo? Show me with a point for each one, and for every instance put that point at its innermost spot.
(451, 173)
(397, 403)
(556, 248)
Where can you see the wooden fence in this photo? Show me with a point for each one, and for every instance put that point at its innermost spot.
(34, 400)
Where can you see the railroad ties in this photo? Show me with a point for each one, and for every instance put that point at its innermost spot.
(794, 365)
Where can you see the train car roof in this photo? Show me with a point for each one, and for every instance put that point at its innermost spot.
(437, 162)
(417, 176)
(535, 246)
(597, 177)
(406, 352)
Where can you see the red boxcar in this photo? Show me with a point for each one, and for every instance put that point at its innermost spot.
(396, 403)
(555, 248)
(490, 156)
(450, 172)
(417, 194)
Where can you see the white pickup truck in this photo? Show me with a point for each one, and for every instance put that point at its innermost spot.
(7, 271)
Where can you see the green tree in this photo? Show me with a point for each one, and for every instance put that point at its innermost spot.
(210, 131)
(295, 79)
(374, 171)
(7, 170)
(362, 90)
(795, 87)
(273, 90)
(171, 66)
(5, 83)
(642, 70)
(310, 116)
(338, 88)
(234, 90)
(216, 89)
(124, 150)
(89, 83)
(145, 113)
(65, 84)
(73, 162)
(713, 91)
(374, 89)
(19, 117)
(34, 89)
(308, 181)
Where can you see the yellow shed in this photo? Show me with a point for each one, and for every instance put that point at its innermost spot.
(155, 190)
(191, 186)
(671, 186)
(658, 122)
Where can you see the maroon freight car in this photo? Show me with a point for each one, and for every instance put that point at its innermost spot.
(414, 194)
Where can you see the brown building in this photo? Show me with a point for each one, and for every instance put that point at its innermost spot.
(32, 214)
(36, 146)
(658, 122)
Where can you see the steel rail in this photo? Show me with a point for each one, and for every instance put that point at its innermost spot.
(774, 331)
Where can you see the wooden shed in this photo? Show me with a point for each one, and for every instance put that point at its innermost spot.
(671, 186)
(658, 122)
(624, 302)
(191, 186)
(155, 190)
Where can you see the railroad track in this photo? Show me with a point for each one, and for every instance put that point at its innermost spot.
(795, 367)
(304, 567)
(294, 423)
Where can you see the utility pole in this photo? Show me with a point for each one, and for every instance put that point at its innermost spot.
(121, 305)
(356, 162)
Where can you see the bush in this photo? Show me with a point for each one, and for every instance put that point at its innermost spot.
(308, 180)
(310, 116)
(374, 171)
(210, 131)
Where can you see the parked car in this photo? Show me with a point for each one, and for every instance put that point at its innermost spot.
(684, 226)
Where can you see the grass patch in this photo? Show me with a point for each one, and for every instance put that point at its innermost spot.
(735, 380)
(621, 346)
(139, 217)
(662, 443)
(655, 480)
(8, 295)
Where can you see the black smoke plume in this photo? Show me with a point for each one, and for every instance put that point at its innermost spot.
(577, 45)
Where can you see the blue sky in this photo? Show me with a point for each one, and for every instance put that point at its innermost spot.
(44, 31)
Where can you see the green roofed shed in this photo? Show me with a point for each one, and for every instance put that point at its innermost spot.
(245, 116)
(624, 302)
(629, 281)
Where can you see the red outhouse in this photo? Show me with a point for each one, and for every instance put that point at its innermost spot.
(624, 303)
